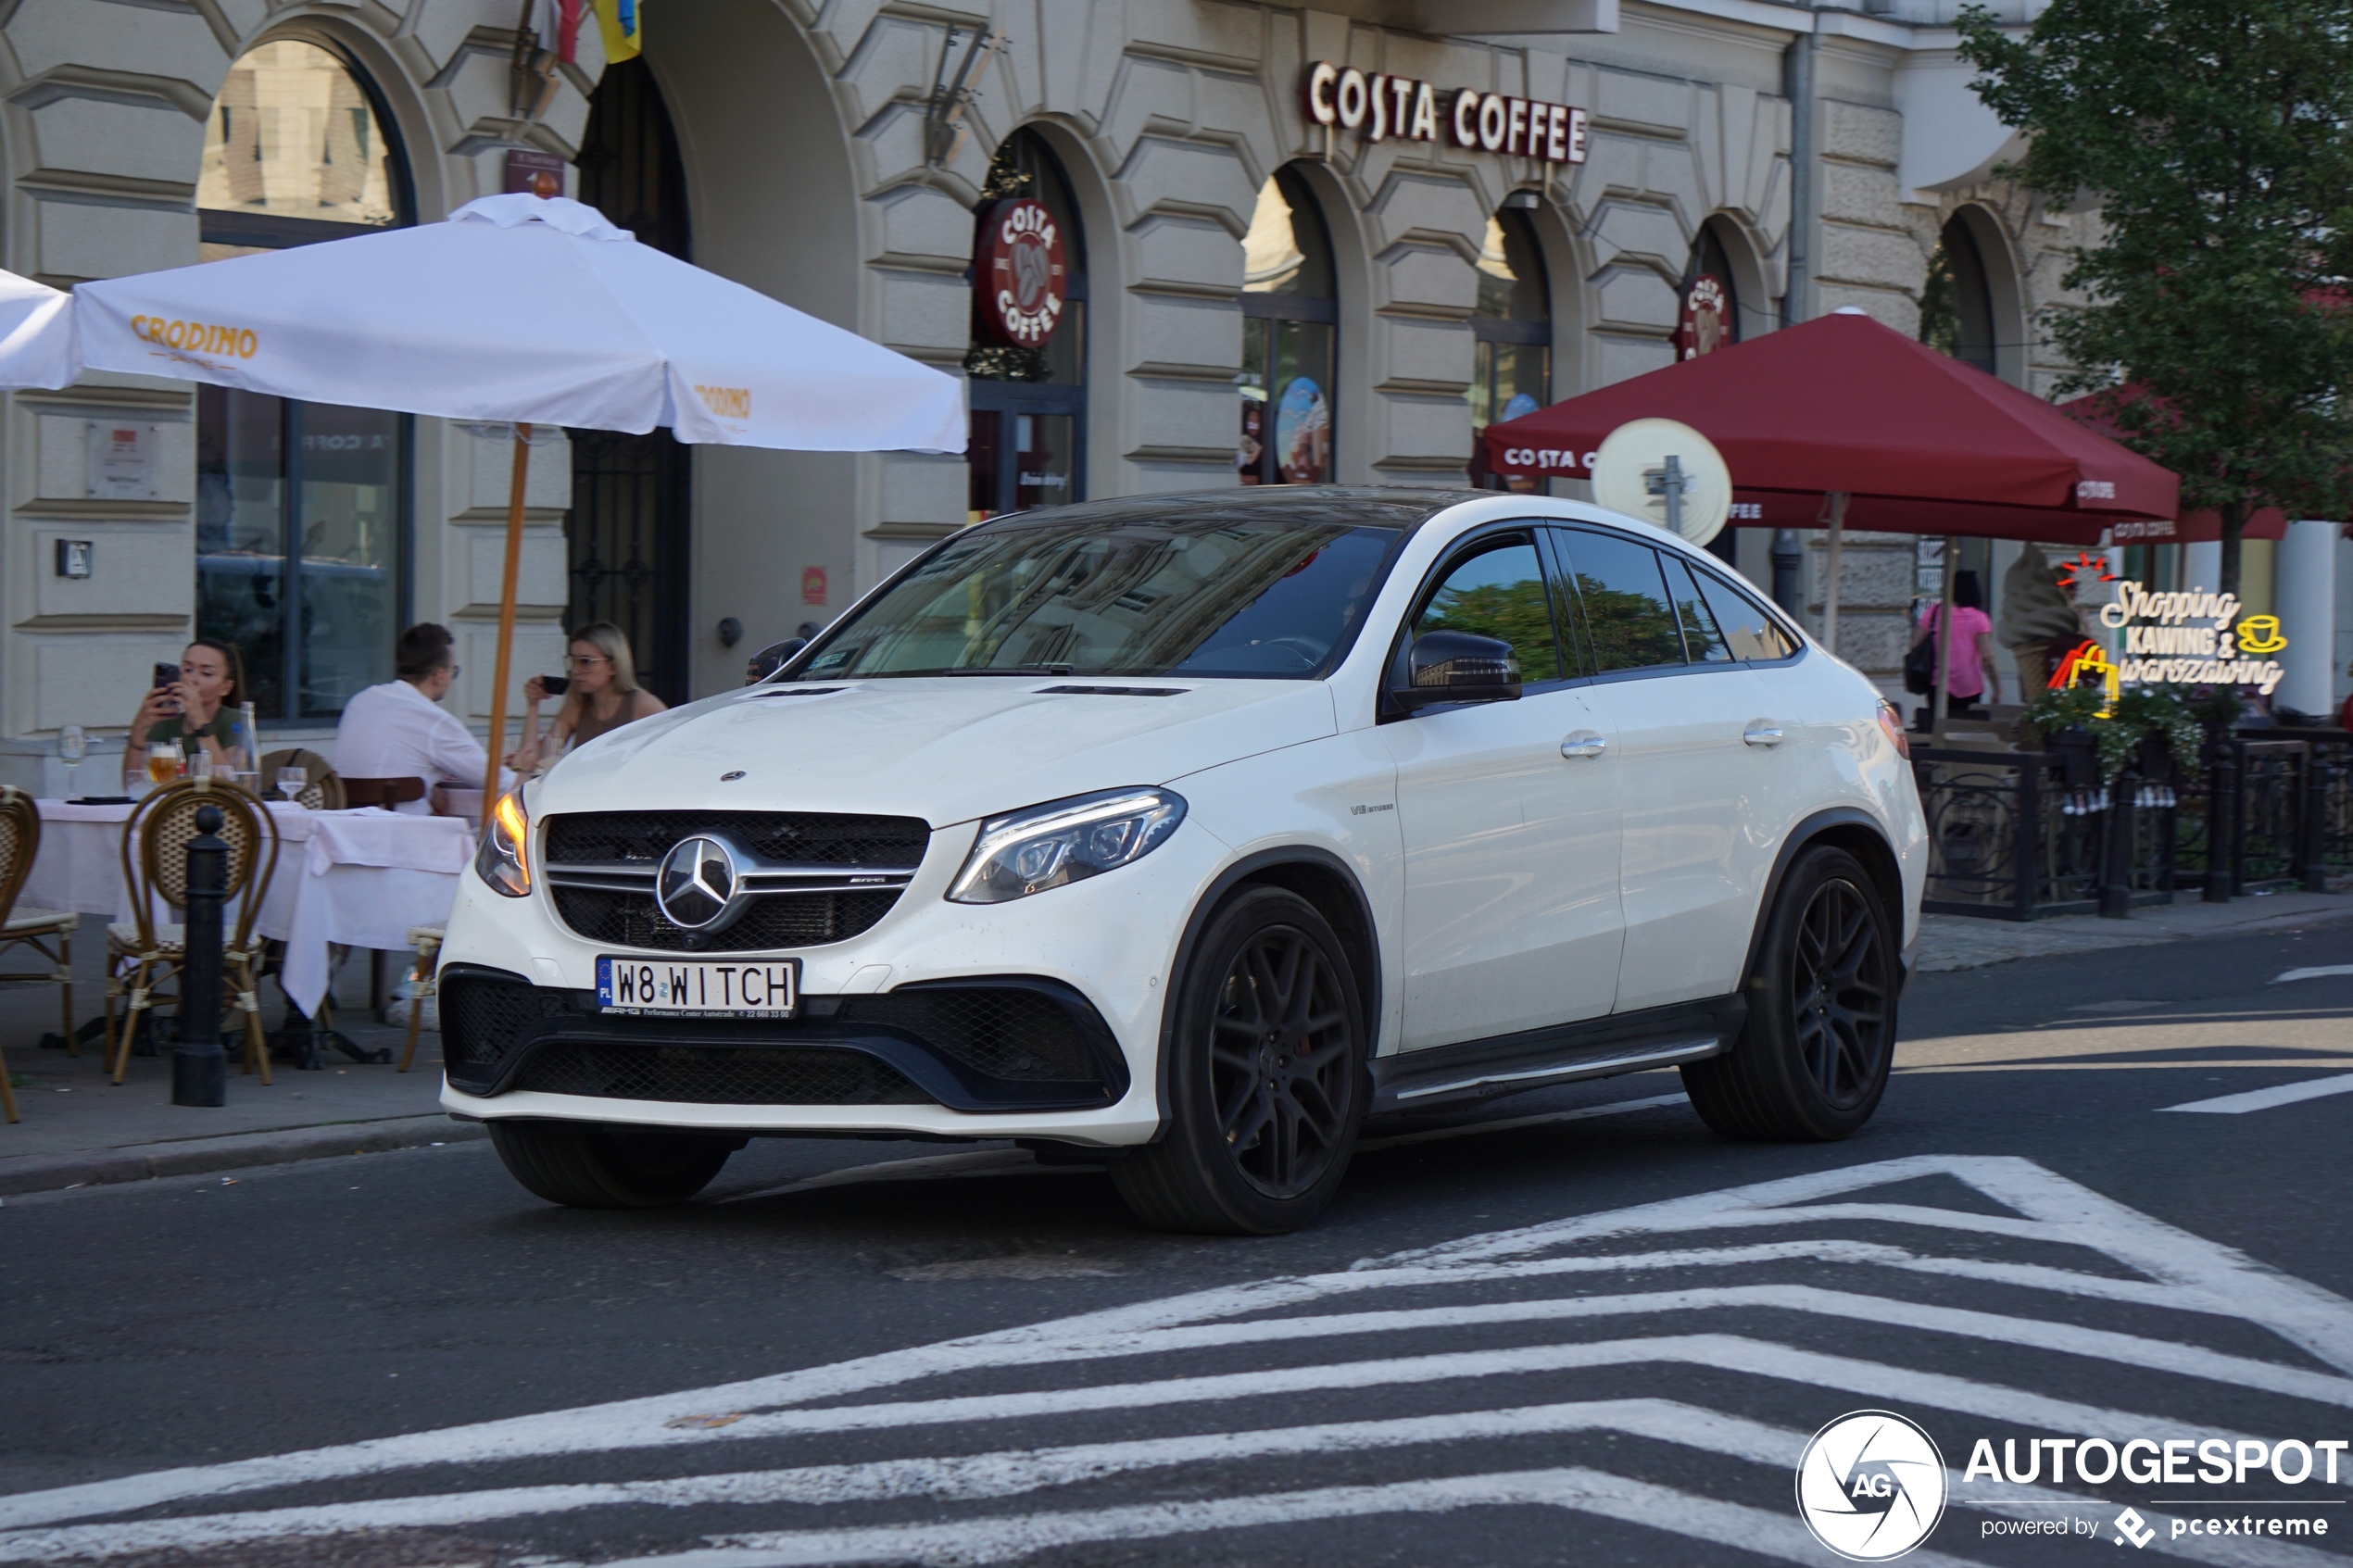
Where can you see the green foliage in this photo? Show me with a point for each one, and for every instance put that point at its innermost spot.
(2140, 711)
(2217, 137)
(1630, 631)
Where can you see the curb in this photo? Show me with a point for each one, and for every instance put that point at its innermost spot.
(234, 1151)
(2124, 934)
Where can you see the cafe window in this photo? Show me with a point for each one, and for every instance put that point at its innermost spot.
(1028, 399)
(1511, 333)
(302, 509)
(1291, 326)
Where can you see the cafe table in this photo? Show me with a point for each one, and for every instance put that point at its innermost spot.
(359, 878)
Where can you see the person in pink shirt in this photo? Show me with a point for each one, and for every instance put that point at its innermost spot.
(1966, 661)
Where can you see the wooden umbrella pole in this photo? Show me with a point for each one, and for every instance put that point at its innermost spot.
(1835, 504)
(504, 665)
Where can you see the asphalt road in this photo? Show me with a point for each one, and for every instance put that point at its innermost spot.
(1569, 1327)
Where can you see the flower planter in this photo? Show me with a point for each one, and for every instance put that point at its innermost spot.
(2079, 754)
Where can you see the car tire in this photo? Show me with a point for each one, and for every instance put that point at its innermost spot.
(1812, 1061)
(1266, 1077)
(605, 1168)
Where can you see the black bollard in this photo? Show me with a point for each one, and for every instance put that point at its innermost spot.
(2223, 822)
(199, 1068)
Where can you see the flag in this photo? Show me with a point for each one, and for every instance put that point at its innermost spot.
(560, 28)
(623, 26)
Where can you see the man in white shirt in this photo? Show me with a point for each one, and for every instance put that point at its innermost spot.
(400, 731)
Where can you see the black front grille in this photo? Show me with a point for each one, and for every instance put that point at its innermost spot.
(791, 838)
(998, 1033)
(482, 1016)
(850, 845)
(772, 920)
(717, 1074)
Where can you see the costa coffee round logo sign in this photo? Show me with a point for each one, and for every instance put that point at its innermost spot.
(1706, 324)
(1023, 274)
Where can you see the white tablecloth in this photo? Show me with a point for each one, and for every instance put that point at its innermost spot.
(360, 878)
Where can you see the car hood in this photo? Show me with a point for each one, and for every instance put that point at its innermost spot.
(945, 749)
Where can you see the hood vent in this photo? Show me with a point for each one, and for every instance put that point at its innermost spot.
(1113, 691)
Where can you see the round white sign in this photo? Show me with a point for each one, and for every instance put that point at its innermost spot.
(1871, 1486)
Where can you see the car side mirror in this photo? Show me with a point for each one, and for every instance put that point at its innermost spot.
(1455, 666)
(769, 659)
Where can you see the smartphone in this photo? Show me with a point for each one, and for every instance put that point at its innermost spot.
(167, 676)
(556, 684)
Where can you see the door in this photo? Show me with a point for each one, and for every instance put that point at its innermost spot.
(1508, 812)
(1701, 755)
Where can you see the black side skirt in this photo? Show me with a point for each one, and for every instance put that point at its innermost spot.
(1594, 1047)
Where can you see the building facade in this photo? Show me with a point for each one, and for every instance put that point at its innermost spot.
(1286, 252)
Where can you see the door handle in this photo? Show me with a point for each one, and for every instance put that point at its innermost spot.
(1582, 742)
(1762, 731)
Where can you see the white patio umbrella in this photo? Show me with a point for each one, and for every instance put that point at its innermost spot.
(518, 309)
(36, 334)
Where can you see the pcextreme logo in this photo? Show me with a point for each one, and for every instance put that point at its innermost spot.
(1871, 1486)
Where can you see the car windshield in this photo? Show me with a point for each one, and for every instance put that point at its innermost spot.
(1254, 597)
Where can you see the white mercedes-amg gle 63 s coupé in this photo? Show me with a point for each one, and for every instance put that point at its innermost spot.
(1184, 833)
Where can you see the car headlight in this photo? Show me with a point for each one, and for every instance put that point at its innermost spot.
(1062, 841)
(504, 860)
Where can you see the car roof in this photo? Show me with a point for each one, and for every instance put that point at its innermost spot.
(1404, 508)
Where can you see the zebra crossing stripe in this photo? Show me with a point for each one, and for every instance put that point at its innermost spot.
(1007, 1539)
(2055, 1210)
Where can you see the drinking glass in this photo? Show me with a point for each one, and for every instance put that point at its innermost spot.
(291, 781)
(199, 763)
(73, 744)
(164, 761)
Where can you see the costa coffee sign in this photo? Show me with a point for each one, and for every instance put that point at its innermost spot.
(1383, 107)
(1024, 280)
(1705, 323)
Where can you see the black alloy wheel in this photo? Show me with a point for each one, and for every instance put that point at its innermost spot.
(1266, 1077)
(1813, 1060)
(1279, 1062)
(1841, 989)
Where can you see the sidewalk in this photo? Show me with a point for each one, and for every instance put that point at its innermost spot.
(78, 1129)
(1951, 942)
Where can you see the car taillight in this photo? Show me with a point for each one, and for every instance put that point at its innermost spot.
(1891, 720)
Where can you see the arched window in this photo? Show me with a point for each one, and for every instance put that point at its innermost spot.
(302, 509)
(1028, 399)
(1291, 327)
(1510, 331)
(1957, 307)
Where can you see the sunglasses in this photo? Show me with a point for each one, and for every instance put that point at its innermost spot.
(587, 660)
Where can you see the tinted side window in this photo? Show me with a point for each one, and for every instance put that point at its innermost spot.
(1703, 639)
(1749, 633)
(1498, 592)
(1622, 600)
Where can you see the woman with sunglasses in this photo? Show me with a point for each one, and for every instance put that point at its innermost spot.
(602, 695)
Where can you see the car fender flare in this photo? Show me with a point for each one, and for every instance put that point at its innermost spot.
(1208, 902)
(1804, 833)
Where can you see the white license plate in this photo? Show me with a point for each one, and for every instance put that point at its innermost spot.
(746, 989)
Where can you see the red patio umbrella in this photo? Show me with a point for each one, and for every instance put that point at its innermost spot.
(1918, 442)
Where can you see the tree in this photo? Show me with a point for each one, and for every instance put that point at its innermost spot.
(2217, 137)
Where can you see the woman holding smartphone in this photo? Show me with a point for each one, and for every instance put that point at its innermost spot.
(600, 694)
(196, 710)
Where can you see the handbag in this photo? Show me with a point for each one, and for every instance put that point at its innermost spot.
(1920, 667)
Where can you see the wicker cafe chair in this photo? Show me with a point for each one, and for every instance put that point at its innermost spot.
(387, 793)
(36, 929)
(142, 954)
(323, 793)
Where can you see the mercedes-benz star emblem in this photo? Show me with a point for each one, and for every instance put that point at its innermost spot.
(697, 881)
